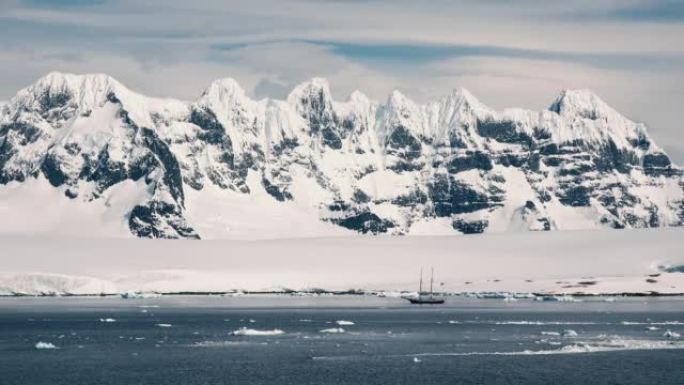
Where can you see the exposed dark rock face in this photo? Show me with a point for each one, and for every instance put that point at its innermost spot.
(366, 222)
(158, 219)
(470, 227)
(475, 160)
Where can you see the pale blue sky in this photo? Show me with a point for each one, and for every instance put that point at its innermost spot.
(507, 53)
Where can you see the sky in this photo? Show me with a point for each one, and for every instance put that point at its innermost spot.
(507, 53)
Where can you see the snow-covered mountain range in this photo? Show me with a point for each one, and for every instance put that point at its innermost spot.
(86, 150)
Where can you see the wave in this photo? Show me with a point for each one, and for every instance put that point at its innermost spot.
(609, 345)
(542, 323)
(612, 345)
(652, 323)
(222, 344)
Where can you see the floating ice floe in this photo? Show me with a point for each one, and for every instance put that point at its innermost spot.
(670, 334)
(344, 323)
(332, 330)
(45, 345)
(243, 331)
(107, 320)
(164, 325)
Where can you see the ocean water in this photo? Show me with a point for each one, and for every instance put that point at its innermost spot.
(303, 340)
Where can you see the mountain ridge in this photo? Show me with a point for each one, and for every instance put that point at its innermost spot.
(451, 165)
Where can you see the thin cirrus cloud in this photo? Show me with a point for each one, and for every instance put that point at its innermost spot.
(509, 53)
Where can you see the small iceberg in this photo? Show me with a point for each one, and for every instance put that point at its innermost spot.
(164, 325)
(45, 345)
(333, 330)
(243, 331)
(107, 320)
(344, 323)
(670, 334)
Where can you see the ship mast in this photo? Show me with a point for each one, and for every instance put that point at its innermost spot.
(432, 274)
(420, 289)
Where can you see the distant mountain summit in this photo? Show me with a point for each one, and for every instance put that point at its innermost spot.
(225, 165)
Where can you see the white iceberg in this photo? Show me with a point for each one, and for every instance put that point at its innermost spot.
(243, 331)
(45, 345)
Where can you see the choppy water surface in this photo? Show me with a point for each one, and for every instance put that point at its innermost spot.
(340, 340)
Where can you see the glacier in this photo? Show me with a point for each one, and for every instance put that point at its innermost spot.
(84, 155)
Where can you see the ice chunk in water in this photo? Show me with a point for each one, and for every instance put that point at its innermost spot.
(670, 334)
(45, 345)
(243, 331)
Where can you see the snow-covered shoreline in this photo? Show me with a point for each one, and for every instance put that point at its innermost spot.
(638, 262)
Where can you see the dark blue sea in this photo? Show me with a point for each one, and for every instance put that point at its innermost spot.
(339, 340)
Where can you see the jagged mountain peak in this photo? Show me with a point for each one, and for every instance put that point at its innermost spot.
(358, 97)
(460, 99)
(581, 102)
(316, 88)
(224, 88)
(57, 89)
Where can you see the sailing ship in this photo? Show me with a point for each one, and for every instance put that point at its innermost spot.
(426, 298)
